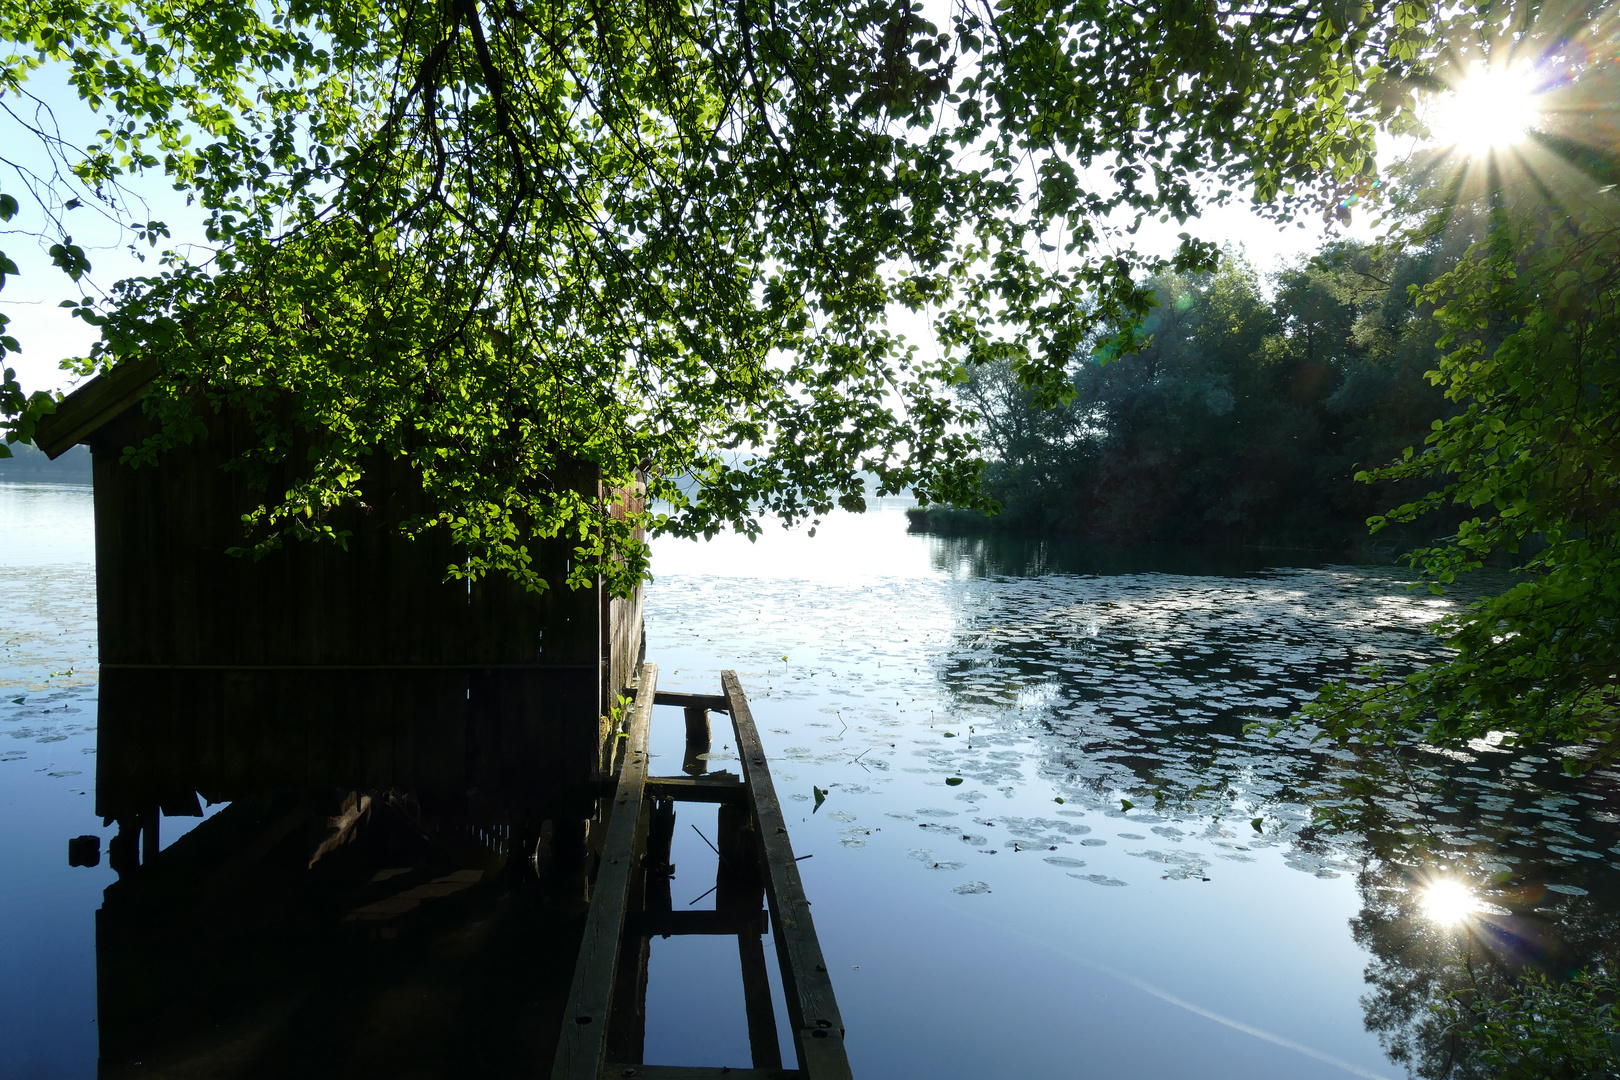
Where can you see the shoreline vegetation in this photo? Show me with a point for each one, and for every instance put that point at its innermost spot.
(28, 464)
(1245, 418)
(958, 523)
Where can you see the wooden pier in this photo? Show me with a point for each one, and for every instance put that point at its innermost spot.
(604, 1024)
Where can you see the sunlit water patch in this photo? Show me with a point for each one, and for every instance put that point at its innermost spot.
(1045, 818)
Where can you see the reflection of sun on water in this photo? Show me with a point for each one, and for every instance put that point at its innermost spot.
(1448, 902)
(1489, 109)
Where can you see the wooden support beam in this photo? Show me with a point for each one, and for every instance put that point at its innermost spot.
(581, 1047)
(755, 853)
(714, 788)
(707, 923)
(627, 1027)
(818, 1029)
(711, 702)
(686, 1072)
(812, 1009)
(763, 1045)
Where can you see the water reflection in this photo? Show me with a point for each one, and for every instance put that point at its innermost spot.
(1120, 867)
(1021, 555)
(1438, 941)
(314, 928)
(1447, 902)
(1136, 688)
(1086, 711)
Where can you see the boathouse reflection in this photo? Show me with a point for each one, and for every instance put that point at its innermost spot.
(366, 904)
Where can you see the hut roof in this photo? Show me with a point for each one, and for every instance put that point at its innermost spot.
(93, 405)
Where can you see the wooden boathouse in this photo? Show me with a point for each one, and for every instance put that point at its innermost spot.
(318, 667)
(356, 708)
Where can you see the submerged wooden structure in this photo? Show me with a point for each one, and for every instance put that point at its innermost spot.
(308, 937)
(602, 1027)
(319, 667)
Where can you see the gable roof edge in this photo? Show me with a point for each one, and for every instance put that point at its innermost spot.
(93, 406)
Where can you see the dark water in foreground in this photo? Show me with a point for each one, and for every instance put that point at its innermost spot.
(1120, 884)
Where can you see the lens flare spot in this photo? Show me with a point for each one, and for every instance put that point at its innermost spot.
(1489, 109)
(1448, 902)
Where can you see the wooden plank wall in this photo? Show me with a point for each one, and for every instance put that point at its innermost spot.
(622, 645)
(315, 666)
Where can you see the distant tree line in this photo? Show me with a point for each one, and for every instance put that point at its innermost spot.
(1242, 420)
(28, 464)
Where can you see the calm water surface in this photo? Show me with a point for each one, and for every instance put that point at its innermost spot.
(1046, 848)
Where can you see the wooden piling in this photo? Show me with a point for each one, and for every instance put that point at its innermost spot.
(150, 840)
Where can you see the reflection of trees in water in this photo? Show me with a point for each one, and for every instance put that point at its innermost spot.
(1501, 826)
(989, 556)
(1116, 692)
(1016, 554)
(1068, 666)
(1422, 973)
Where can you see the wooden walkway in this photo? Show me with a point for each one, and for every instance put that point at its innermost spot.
(604, 1025)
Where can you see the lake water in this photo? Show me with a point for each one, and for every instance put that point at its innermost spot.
(1047, 846)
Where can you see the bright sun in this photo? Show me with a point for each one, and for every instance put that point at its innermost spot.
(1448, 901)
(1490, 109)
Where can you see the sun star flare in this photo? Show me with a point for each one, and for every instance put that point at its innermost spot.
(1448, 902)
(1489, 109)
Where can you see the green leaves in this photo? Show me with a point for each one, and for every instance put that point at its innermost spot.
(1540, 1027)
(69, 257)
(521, 249)
(1532, 317)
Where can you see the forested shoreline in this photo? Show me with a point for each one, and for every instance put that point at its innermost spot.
(1242, 421)
(29, 464)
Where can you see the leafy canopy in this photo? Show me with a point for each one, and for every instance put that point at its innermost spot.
(1526, 455)
(495, 240)
(1531, 321)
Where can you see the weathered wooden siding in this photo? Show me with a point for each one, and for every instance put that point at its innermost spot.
(318, 666)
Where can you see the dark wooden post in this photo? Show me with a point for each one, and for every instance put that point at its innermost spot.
(739, 886)
(123, 851)
(740, 891)
(660, 836)
(763, 1045)
(149, 836)
(698, 741)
